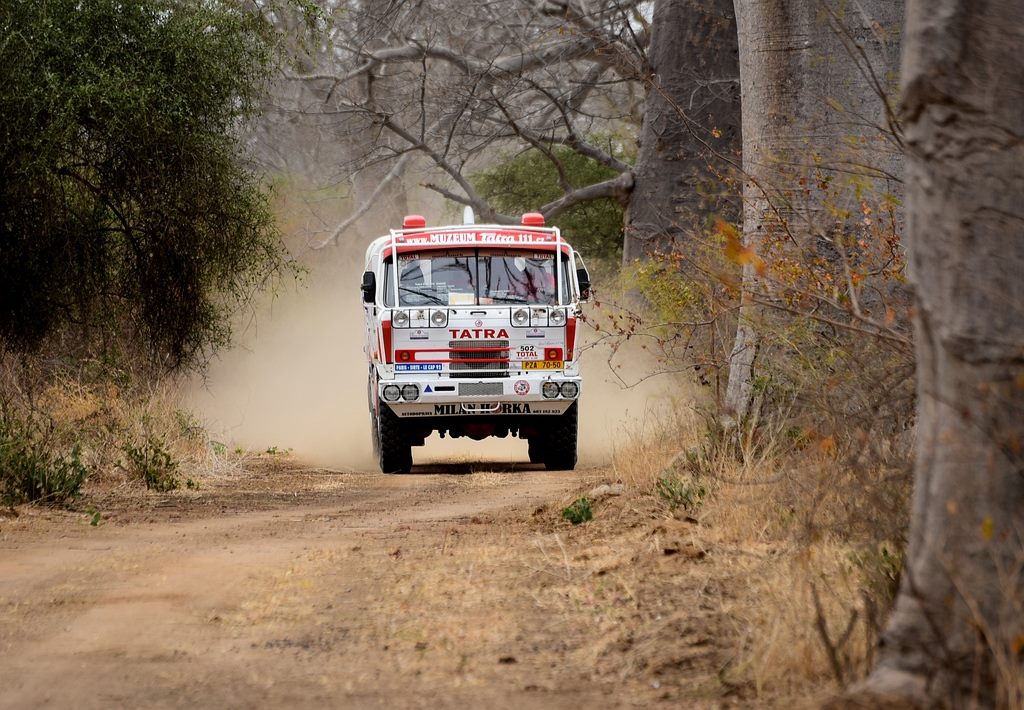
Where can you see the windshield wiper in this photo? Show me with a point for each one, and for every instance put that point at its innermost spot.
(430, 297)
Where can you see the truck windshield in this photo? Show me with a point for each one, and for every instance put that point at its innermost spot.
(470, 277)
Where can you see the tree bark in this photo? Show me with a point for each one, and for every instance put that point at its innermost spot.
(956, 635)
(813, 81)
(690, 131)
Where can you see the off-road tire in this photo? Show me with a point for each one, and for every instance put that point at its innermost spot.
(559, 443)
(375, 435)
(394, 450)
(371, 400)
(536, 449)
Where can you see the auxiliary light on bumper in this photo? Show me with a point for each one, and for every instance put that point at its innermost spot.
(567, 390)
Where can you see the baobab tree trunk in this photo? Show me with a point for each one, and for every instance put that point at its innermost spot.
(690, 134)
(772, 38)
(813, 81)
(956, 636)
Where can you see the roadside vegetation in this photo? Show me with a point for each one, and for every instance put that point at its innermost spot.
(132, 228)
(798, 575)
(806, 495)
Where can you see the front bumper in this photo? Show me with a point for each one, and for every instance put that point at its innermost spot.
(518, 394)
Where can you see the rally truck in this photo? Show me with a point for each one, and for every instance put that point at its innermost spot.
(471, 330)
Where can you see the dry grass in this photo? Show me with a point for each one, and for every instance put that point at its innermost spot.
(800, 532)
(103, 416)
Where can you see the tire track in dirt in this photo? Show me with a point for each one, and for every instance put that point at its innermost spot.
(207, 601)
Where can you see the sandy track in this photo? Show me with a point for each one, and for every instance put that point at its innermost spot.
(297, 587)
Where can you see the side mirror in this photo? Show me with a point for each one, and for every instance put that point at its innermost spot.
(583, 277)
(369, 286)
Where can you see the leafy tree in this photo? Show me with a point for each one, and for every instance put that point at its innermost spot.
(125, 204)
(532, 178)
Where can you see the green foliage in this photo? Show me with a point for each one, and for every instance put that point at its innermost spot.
(667, 291)
(579, 512)
(125, 207)
(31, 471)
(153, 463)
(525, 182)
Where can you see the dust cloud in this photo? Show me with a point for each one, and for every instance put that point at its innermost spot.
(297, 380)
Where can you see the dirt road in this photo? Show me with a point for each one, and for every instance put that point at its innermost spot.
(290, 586)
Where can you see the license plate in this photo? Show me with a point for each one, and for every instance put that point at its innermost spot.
(543, 365)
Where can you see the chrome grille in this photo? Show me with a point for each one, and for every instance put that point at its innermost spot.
(480, 389)
(472, 350)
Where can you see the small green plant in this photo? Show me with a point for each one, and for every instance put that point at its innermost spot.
(189, 425)
(191, 484)
(218, 447)
(94, 516)
(681, 491)
(579, 512)
(153, 464)
(276, 451)
(880, 568)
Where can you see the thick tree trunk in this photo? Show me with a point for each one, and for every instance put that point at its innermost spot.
(772, 39)
(690, 132)
(956, 636)
(813, 79)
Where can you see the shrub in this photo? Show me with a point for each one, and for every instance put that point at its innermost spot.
(31, 471)
(153, 463)
(681, 491)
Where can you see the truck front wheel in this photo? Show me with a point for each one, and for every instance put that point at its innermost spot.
(536, 449)
(559, 442)
(394, 452)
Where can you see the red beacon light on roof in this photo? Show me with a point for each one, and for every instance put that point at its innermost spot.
(533, 219)
(415, 221)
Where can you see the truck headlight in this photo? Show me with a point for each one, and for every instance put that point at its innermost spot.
(570, 390)
(439, 319)
(400, 319)
(410, 393)
(550, 389)
(557, 317)
(520, 316)
(391, 393)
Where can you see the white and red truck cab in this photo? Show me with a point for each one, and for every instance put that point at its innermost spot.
(471, 330)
